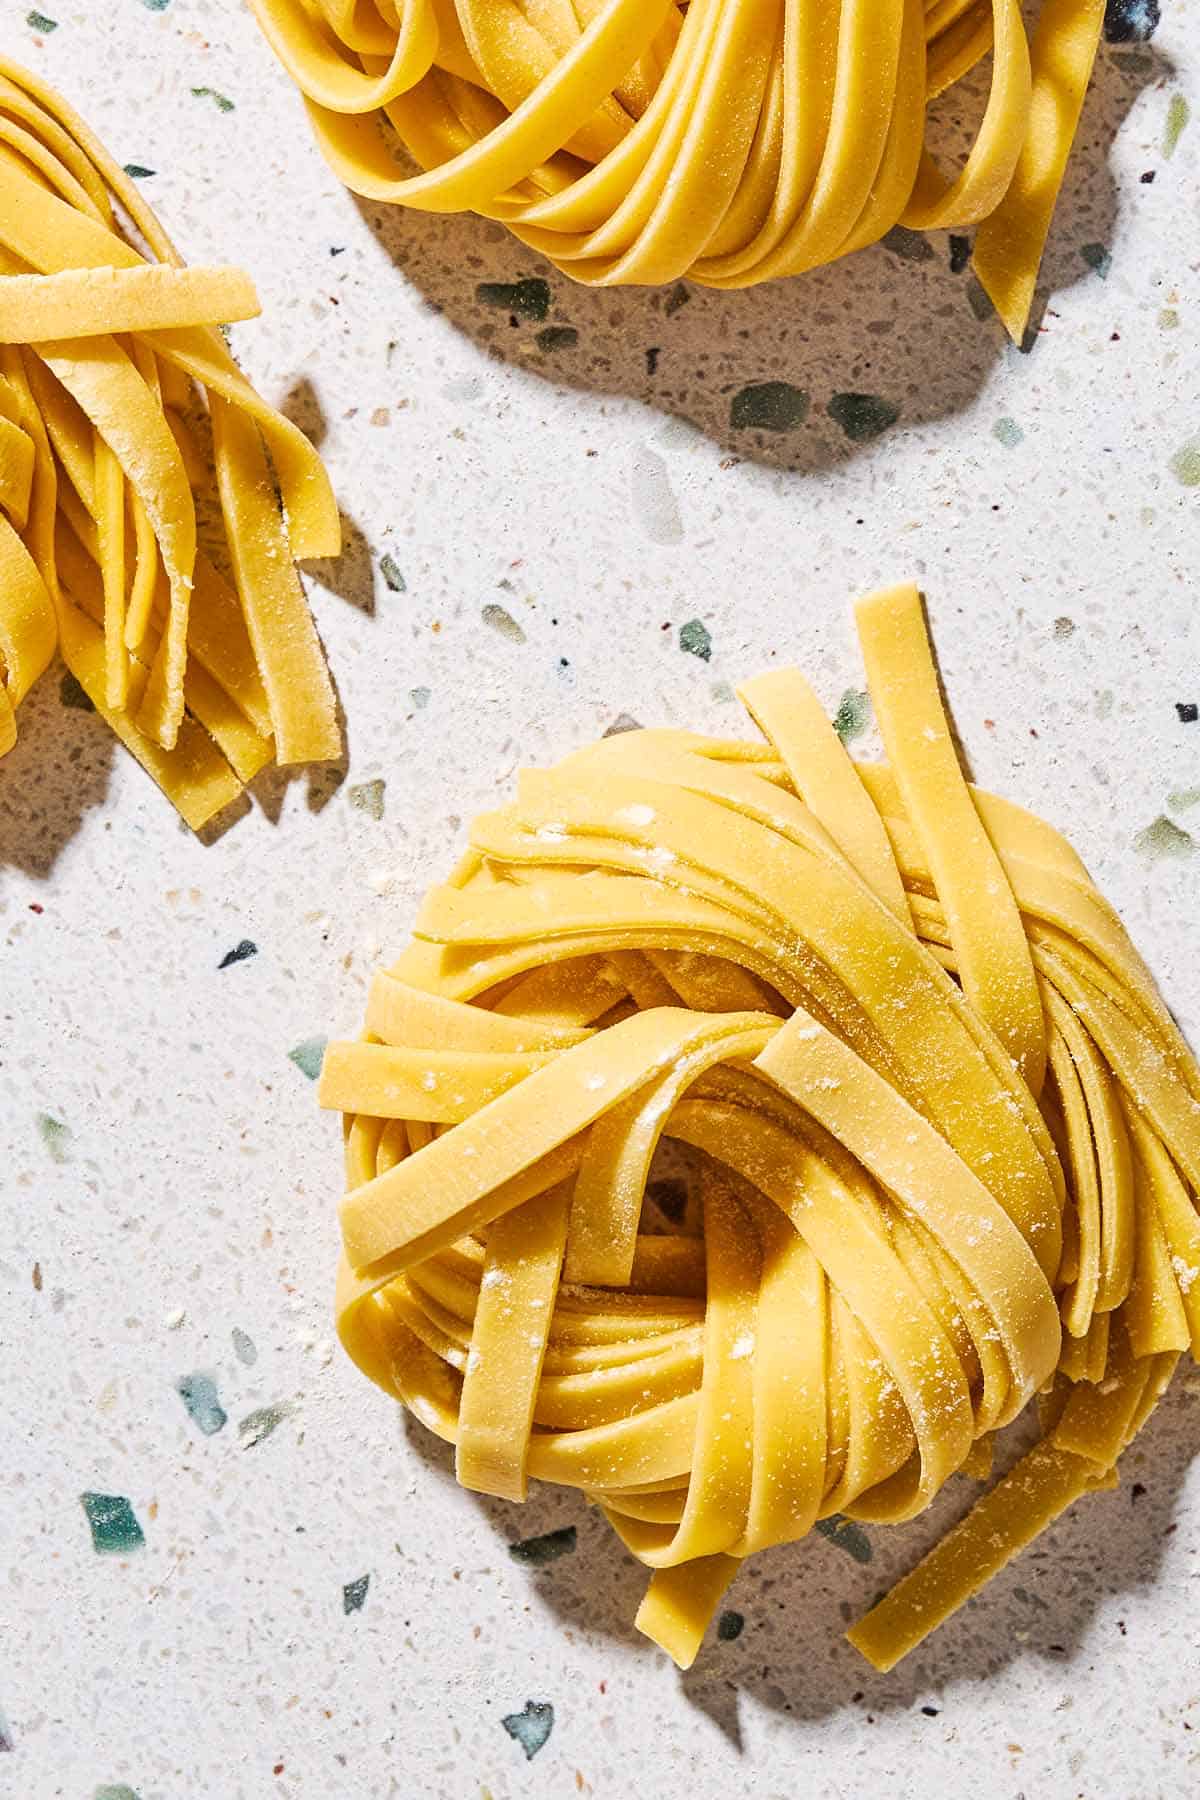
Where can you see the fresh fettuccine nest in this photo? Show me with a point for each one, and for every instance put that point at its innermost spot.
(730, 141)
(126, 428)
(944, 1133)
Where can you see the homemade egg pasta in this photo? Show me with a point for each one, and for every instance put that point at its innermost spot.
(140, 529)
(731, 141)
(943, 1140)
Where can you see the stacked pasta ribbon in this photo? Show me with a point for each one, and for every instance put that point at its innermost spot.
(125, 429)
(947, 1139)
(731, 141)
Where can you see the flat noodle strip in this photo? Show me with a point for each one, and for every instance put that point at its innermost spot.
(730, 141)
(104, 351)
(929, 1110)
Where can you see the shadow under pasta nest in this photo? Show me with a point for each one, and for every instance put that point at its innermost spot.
(789, 1655)
(902, 329)
(56, 773)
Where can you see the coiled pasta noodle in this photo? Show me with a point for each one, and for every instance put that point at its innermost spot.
(114, 379)
(731, 141)
(948, 1140)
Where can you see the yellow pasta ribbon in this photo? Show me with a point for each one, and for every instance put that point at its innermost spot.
(113, 375)
(729, 141)
(939, 1135)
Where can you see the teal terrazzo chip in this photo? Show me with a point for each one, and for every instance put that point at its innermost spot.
(531, 1727)
(768, 406)
(1008, 433)
(55, 1136)
(847, 1536)
(853, 714)
(71, 693)
(115, 1530)
(199, 1395)
(528, 298)
(546, 1548)
(222, 102)
(695, 639)
(354, 1594)
(390, 571)
(862, 416)
(307, 1056)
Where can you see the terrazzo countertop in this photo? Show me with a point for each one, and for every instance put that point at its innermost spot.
(562, 506)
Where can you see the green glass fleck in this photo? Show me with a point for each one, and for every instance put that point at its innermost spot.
(1008, 433)
(391, 574)
(862, 416)
(1185, 464)
(420, 697)
(367, 797)
(1178, 115)
(38, 21)
(853, 714)
(1182, 798)
(557, 337)
(139, 172)
(119, 1791)
(730, 1626)
(678, 296)
(502, 621)
(71, 694)
(768, 406)
(695, 639)
(847, 1536)
(307, 1056)
(528, 298)
(354, 1594)
(260, 1423)
(115, 1530)
(978, 299)
(1163, 837)
(244, 1347)
(538, 1551)
(55, 1135)
(1098, 257)
(913, 246)
(221, 101)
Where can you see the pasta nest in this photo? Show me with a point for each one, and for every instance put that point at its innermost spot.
(141, 532)
(731, 141)
(945, 1136)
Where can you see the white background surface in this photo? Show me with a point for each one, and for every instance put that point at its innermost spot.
(603, 508)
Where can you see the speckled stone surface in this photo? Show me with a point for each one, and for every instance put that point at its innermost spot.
(542, 503)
